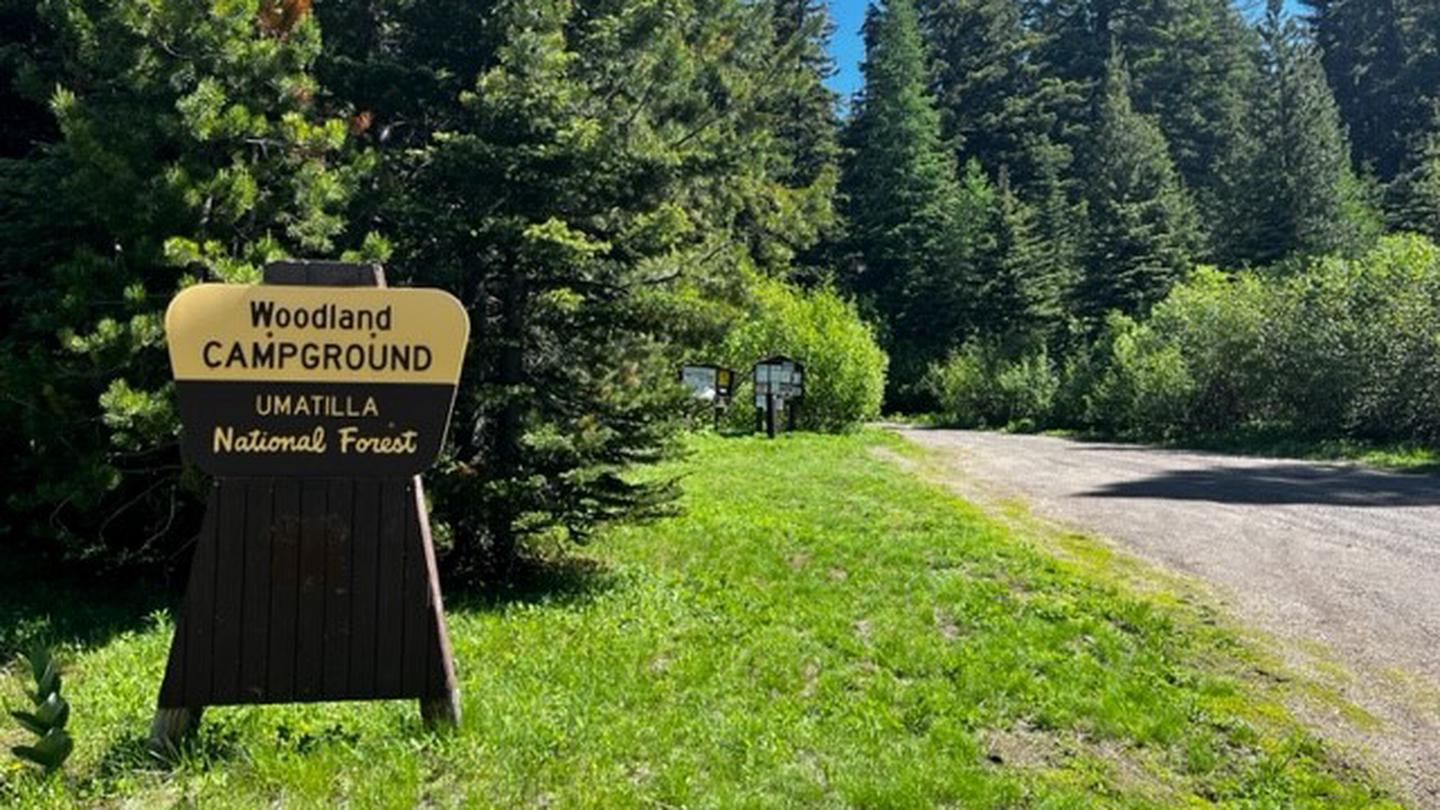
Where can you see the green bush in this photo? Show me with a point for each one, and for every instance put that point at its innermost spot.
(979, 386)
(1146, 388)
(963, 386)
(1334, 347)
(1218, 323)
(845, 366)
(1358, 343)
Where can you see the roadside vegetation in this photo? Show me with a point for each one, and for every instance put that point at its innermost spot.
(1331, 358)
(820, 628)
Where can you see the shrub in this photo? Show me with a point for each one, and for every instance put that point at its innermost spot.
(1336, 346)
(1026, 387)
(845, 366)
(978, 386)
(1146, 388)
(963, 386)
(1217, 322)
(1352, 346)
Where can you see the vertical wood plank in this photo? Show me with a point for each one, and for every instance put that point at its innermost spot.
(255, 613)
(198, 620)
(338, 570)
(390, 623)
(284, 591)
(364, 600)
(309, 652)
(229, 590)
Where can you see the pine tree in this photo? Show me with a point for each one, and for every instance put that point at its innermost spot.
(1191, 69)
(1415, 194)
(574, 170)
(986, 83)
(24, 120)
(1143, 232)
(802, 115)
(1302, 196)
(1027, 288)
(902, 197)
(959, 305)
(1379, 58)
(1062, 219)
(806, 122)
(191, 143)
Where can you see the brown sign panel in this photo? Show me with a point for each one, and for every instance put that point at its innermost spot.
(315, 381)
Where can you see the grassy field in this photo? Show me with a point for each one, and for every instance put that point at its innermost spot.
(819, 629)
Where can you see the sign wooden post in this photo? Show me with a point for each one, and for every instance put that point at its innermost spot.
(315, 400)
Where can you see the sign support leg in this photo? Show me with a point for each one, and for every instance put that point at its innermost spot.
(770, 415)
(171, 726)
(438, 711)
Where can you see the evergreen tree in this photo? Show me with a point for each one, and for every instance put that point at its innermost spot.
(806, 122)
(24, 120)
(576, 171)
(1061, 224)
(1191, 69)
(1303, 196)
(1026, 288)
(192, 144)
(1381, 60)
(987, 85)
(1415, 195)
(961, 305)
(802, 115)
(1142, 230)
(1013, 297)
(902, 197)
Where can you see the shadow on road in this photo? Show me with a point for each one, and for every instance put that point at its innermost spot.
(1282, 484)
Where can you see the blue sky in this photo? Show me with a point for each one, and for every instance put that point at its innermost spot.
(848, 49)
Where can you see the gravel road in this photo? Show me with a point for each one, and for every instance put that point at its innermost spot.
(1310, 552)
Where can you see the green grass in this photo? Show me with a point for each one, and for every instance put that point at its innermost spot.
(819, 629)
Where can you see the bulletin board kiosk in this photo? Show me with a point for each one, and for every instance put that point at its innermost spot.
(779, 387)
(711, 384)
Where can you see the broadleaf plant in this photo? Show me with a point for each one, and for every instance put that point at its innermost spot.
(51, 714)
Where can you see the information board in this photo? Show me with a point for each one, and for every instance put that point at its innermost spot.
(780, 377)
(777, 380)
(709, 383)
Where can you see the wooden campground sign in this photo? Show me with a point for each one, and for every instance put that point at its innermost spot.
(315, 381)
(314, 400)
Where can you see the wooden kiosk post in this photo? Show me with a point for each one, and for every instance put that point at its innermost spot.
(315, 400)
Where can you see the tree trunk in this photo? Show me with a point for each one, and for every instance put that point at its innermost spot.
(510, 426)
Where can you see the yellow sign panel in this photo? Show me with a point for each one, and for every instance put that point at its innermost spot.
(238, 333)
